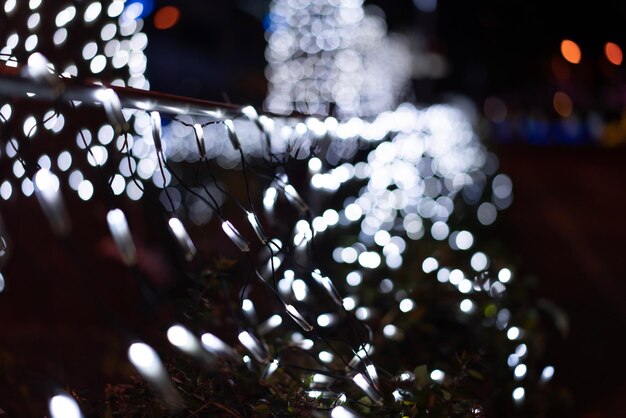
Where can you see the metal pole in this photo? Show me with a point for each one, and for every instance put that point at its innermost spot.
(14, 85)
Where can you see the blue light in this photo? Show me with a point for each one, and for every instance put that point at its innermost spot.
(145, 8)
(273, 21)
(267, 22)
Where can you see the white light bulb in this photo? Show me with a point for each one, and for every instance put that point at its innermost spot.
(64, 406)
(121, 235)
(146, 361)
(298, 318)
(254, 347)
(49, 196)
(182, 237)
(181, 338)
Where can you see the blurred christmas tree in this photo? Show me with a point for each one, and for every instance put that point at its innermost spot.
(316, 266)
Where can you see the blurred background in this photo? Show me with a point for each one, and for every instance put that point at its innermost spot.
(547, 85)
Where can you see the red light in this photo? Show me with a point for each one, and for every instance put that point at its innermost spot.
(613, 53)
(166, 17)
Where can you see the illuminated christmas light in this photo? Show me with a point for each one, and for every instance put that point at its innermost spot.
(410, 183)
(181, 338)
(155, 119)
(298, 318)
(367, 388)
(118, 226)
(147, 362)
(217, 347)
(235, 236)
(254, 347)
(64, 406)
(182, 237)
(49, 196)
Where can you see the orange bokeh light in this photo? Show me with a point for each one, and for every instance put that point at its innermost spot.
(562, 104)
(571, 51)
(613, 53)
(166, 17)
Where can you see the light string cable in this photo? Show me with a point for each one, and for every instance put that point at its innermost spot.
(172, 398)
(211, 203)
(268, 243)
(251, 214)
(310, 246)
(128, 151)
(309, 243)
(47, 383)
(236, 144)
(66, 239)
(245, 166)
(149, 293)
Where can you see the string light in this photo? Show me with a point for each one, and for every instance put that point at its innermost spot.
(183, 339)
(64, 406)
(217, 347)
(410, 183)
(147, 361)
(254, 347)
(326, 52)
(118, 225)
(183, 238)
(47, 190)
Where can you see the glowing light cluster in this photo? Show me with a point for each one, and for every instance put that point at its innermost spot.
(412, 180)
(323, 52)
(419, 164)
(115, 52)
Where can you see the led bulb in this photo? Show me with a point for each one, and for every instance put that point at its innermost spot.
(235, 236)
(146, 361)
(51, 201)
(150, 367)
(295, 199)
(197, 128)
(181, 338)
(155, 123)
(121, 235)
(254, 347)
(343, 412)
(183, 238)
(257, 228)
(298, 318)
(216, 346)
(232, 135)
(371, 392)
(269, 324)
(113, 109)
(269, 370)
(38, 69)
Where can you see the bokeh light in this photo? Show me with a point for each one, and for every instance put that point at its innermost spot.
(571, 51)
(166, 17)
(562, 104)
(613, 53)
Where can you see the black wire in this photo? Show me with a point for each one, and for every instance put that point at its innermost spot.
(129, 158)
(216, 208)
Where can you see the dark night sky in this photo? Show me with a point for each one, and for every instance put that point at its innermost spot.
(494, 47)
